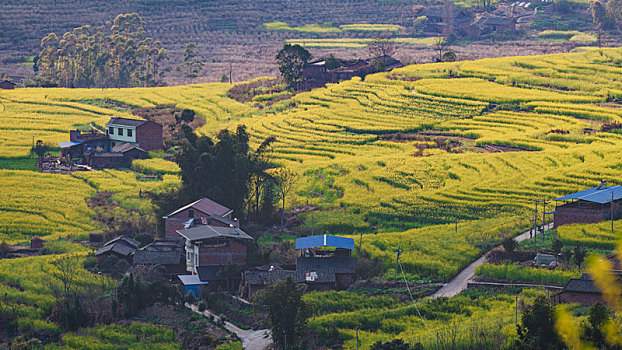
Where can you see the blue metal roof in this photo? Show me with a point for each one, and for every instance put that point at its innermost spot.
(596, 195)
(325, 241)
(68, 144)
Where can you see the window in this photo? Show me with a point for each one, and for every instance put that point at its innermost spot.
(111, 130)
(129, 132)
(120, 132)
(191, 213)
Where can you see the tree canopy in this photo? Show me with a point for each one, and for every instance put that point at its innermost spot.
(121, 56)
(291, 59)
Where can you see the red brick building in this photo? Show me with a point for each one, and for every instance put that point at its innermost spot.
(204, 212)
(142, 133)
(579, 290)
(589, 206)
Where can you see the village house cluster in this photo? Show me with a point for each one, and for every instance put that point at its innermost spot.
(202, 241)
(123, 141)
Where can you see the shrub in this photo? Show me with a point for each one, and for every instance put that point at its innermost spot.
(509, 244)
(202, 306)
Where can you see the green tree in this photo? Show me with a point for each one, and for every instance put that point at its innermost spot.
(285, 181)
(331, 62)
(509, 244)
(557, 246)
(192, 65)
(40, 149)
(592, 329)
(132, 294)
(287, 313)
(579, 255)
(537, 328)
(291, 59)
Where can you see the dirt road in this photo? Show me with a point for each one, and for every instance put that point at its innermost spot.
(459, 283)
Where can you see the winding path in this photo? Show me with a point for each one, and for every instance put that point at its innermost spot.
(459, 283)
(251, 340)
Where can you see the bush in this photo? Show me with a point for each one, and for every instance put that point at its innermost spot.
(191, 298)
(509, 244)
(202, 306)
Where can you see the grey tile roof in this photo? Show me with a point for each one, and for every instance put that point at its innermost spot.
(325, 267)
(125, 121)
(124, 147)
(585, 284)
(210, 273)
(207, 206)
(150, 257)
(206, 232)
(122, 245)
(263, 275)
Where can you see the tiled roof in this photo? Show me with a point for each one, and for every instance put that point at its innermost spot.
(261, 277)
(585, 284)
(151, 257)
(206, 232)
(324, 267)
(210, 273)
(122, 245)
(125, 121)
(124, 147)
(207, 206)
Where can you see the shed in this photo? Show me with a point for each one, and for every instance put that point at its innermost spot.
(122, 247)
(592, 205)
(259, 277)
(544, 260)
(191, 283)
(36, 243)
(580, 290)
(7, 85)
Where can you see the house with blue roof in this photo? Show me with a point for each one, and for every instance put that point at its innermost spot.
(592, 205)
(325, 262)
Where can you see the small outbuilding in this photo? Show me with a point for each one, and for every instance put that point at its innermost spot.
(580, 290)
(589, 206)
(325, 262)
(7, 85)
(260, 277)
(36, 243)
(544, 260)
(122, 247)
(191, 284)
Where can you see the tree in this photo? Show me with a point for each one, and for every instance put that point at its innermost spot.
(439, 44)
(382, 46)
(419, 24)
(557, 246)
(192, 66)
(509, 244)
(40, 149)
(287, 312)
(331, 62)
(579, 255)
(132, 294)
(395, 344)
(598, 316)
(537, 328)
(291, 59)
(449, 56)
(121, 56)
(285, 181)
(599, 17)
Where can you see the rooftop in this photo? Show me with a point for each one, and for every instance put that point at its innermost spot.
(125, 121)
(124, 147)
(325, 241)
(201, 232)
(207, 206)
(154, 257)
(598, 194)
(585, 284)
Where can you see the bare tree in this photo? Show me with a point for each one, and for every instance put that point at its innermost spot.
(382, 46)
(66, 272)
(285, 180)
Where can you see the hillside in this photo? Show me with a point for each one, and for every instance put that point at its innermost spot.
(232, 31)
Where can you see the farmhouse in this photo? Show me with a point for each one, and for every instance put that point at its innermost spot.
(589, 206)
(315, 74)
(124, 140)
(446, 20)
(203, 211)
(142, 133)
(325, 262)
(123, 247)
(7, 85)
(488, 23)
(579, 290)
(167, 253)
(260, 277)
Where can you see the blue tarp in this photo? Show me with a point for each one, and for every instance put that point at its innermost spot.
(68, 144)
(596, 195)
(324, 241)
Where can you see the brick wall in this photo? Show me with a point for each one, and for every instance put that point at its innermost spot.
(232, 253)
(570, 215)
(149, 136)
(585, 299)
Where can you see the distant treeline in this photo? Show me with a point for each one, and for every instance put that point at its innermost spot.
(121, 56)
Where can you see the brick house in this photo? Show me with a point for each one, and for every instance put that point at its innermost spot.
(579, 290)
(325, 262)
(82, 142)
(315, 74)
(142, 133)
(589, 206)
(203, 211)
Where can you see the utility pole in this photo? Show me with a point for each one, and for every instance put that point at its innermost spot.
(516, 312)
(357, 338)
(397, 260)
(230, 72)
(544, 202)
(611, 211)
(535, 225)
(456, 215)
